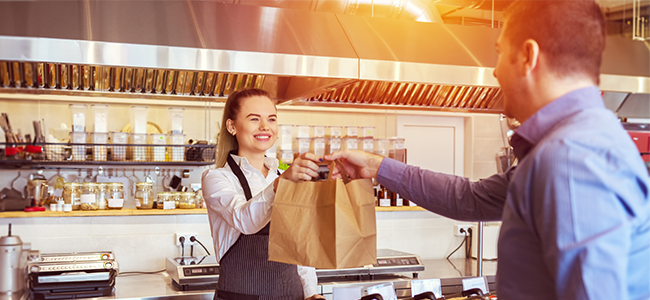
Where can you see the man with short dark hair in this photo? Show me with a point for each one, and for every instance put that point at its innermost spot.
(576, 209)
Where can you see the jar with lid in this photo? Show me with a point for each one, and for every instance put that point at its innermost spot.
(114, 195)
(144, 195)
(165, 197)
(89, 196)
(187, 200)
(72, 194)
(176, 197)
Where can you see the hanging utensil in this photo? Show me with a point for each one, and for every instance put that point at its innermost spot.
(4, 122)
(148, 178)
(89, 176)
(15, 191)
(165, 178)
(12, 199)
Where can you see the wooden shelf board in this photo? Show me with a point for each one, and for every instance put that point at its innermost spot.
(144, 212)
(398, 208)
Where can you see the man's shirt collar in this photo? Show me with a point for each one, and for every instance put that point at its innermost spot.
(531, 132)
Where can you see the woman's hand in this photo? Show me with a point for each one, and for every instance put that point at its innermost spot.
(315, 296)
(304, 167)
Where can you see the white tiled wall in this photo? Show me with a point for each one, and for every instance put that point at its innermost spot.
(142, 243)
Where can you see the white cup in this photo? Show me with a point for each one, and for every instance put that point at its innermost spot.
(53, 207)
(67, 207)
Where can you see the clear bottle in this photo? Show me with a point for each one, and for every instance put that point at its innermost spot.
(187, 200)
(114, 195)
(89, 196)
(72, 194)
(101, 198)
(144, 195)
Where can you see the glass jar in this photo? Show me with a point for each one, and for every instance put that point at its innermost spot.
(165, 197)
(114, 195)
(187, 200)
(101, 198)
(176, 197)
(89, 196)
(144, 195)
(72, 194)
(200, 202)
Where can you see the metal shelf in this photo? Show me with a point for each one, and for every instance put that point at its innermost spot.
(45, 155)
(15, 164)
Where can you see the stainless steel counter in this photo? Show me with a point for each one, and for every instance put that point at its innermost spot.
(158, 286)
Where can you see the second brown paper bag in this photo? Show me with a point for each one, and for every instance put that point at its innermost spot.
(324, 224)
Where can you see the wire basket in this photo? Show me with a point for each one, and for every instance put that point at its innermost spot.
(115, 153)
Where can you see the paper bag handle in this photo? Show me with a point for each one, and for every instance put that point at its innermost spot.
(344, 174)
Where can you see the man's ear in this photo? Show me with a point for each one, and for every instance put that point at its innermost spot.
(529, 56)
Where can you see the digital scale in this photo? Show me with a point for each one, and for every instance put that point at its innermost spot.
(192, 270)
(190, 273)
(388, 262)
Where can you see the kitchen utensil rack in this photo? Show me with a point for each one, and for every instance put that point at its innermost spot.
(17, 155)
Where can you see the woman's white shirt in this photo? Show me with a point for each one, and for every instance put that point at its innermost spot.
(231, 214)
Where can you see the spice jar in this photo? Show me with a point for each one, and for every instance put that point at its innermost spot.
(144, 195)
(187, 200)
(176, 197)
(114, 195)
(71, 194)
(89, 196)
(165, 197)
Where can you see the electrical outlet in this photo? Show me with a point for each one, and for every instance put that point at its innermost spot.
(187, 238)
(457, 229)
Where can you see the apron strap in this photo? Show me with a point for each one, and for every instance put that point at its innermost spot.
(244, 184)
(240, 175)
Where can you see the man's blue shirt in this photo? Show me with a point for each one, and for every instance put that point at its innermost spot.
(575, 210)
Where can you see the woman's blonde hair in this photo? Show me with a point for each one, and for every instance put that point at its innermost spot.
(227, 141)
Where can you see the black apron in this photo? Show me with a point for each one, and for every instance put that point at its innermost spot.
(245, 272)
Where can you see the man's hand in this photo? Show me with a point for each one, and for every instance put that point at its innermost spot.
(358, 164)
(315, 296)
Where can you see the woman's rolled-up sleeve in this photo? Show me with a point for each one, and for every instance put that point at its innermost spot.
(224, 198)
(309, 280)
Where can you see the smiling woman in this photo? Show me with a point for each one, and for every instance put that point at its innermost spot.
(239, 196)
(227, 139)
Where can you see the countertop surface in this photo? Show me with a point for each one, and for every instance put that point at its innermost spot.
(158, 285)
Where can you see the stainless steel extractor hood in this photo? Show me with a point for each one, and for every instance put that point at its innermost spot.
(193, 49)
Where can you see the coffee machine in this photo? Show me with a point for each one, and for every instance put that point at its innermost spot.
(13, 263)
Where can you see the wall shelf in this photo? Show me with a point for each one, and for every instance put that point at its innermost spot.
(17, 164)
(145, 212)
(398, 208)
(50, 155)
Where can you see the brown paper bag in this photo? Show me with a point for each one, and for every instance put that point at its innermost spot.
(324, 224)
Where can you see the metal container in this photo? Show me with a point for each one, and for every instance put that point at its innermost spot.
(13, 260)
(37, 191)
